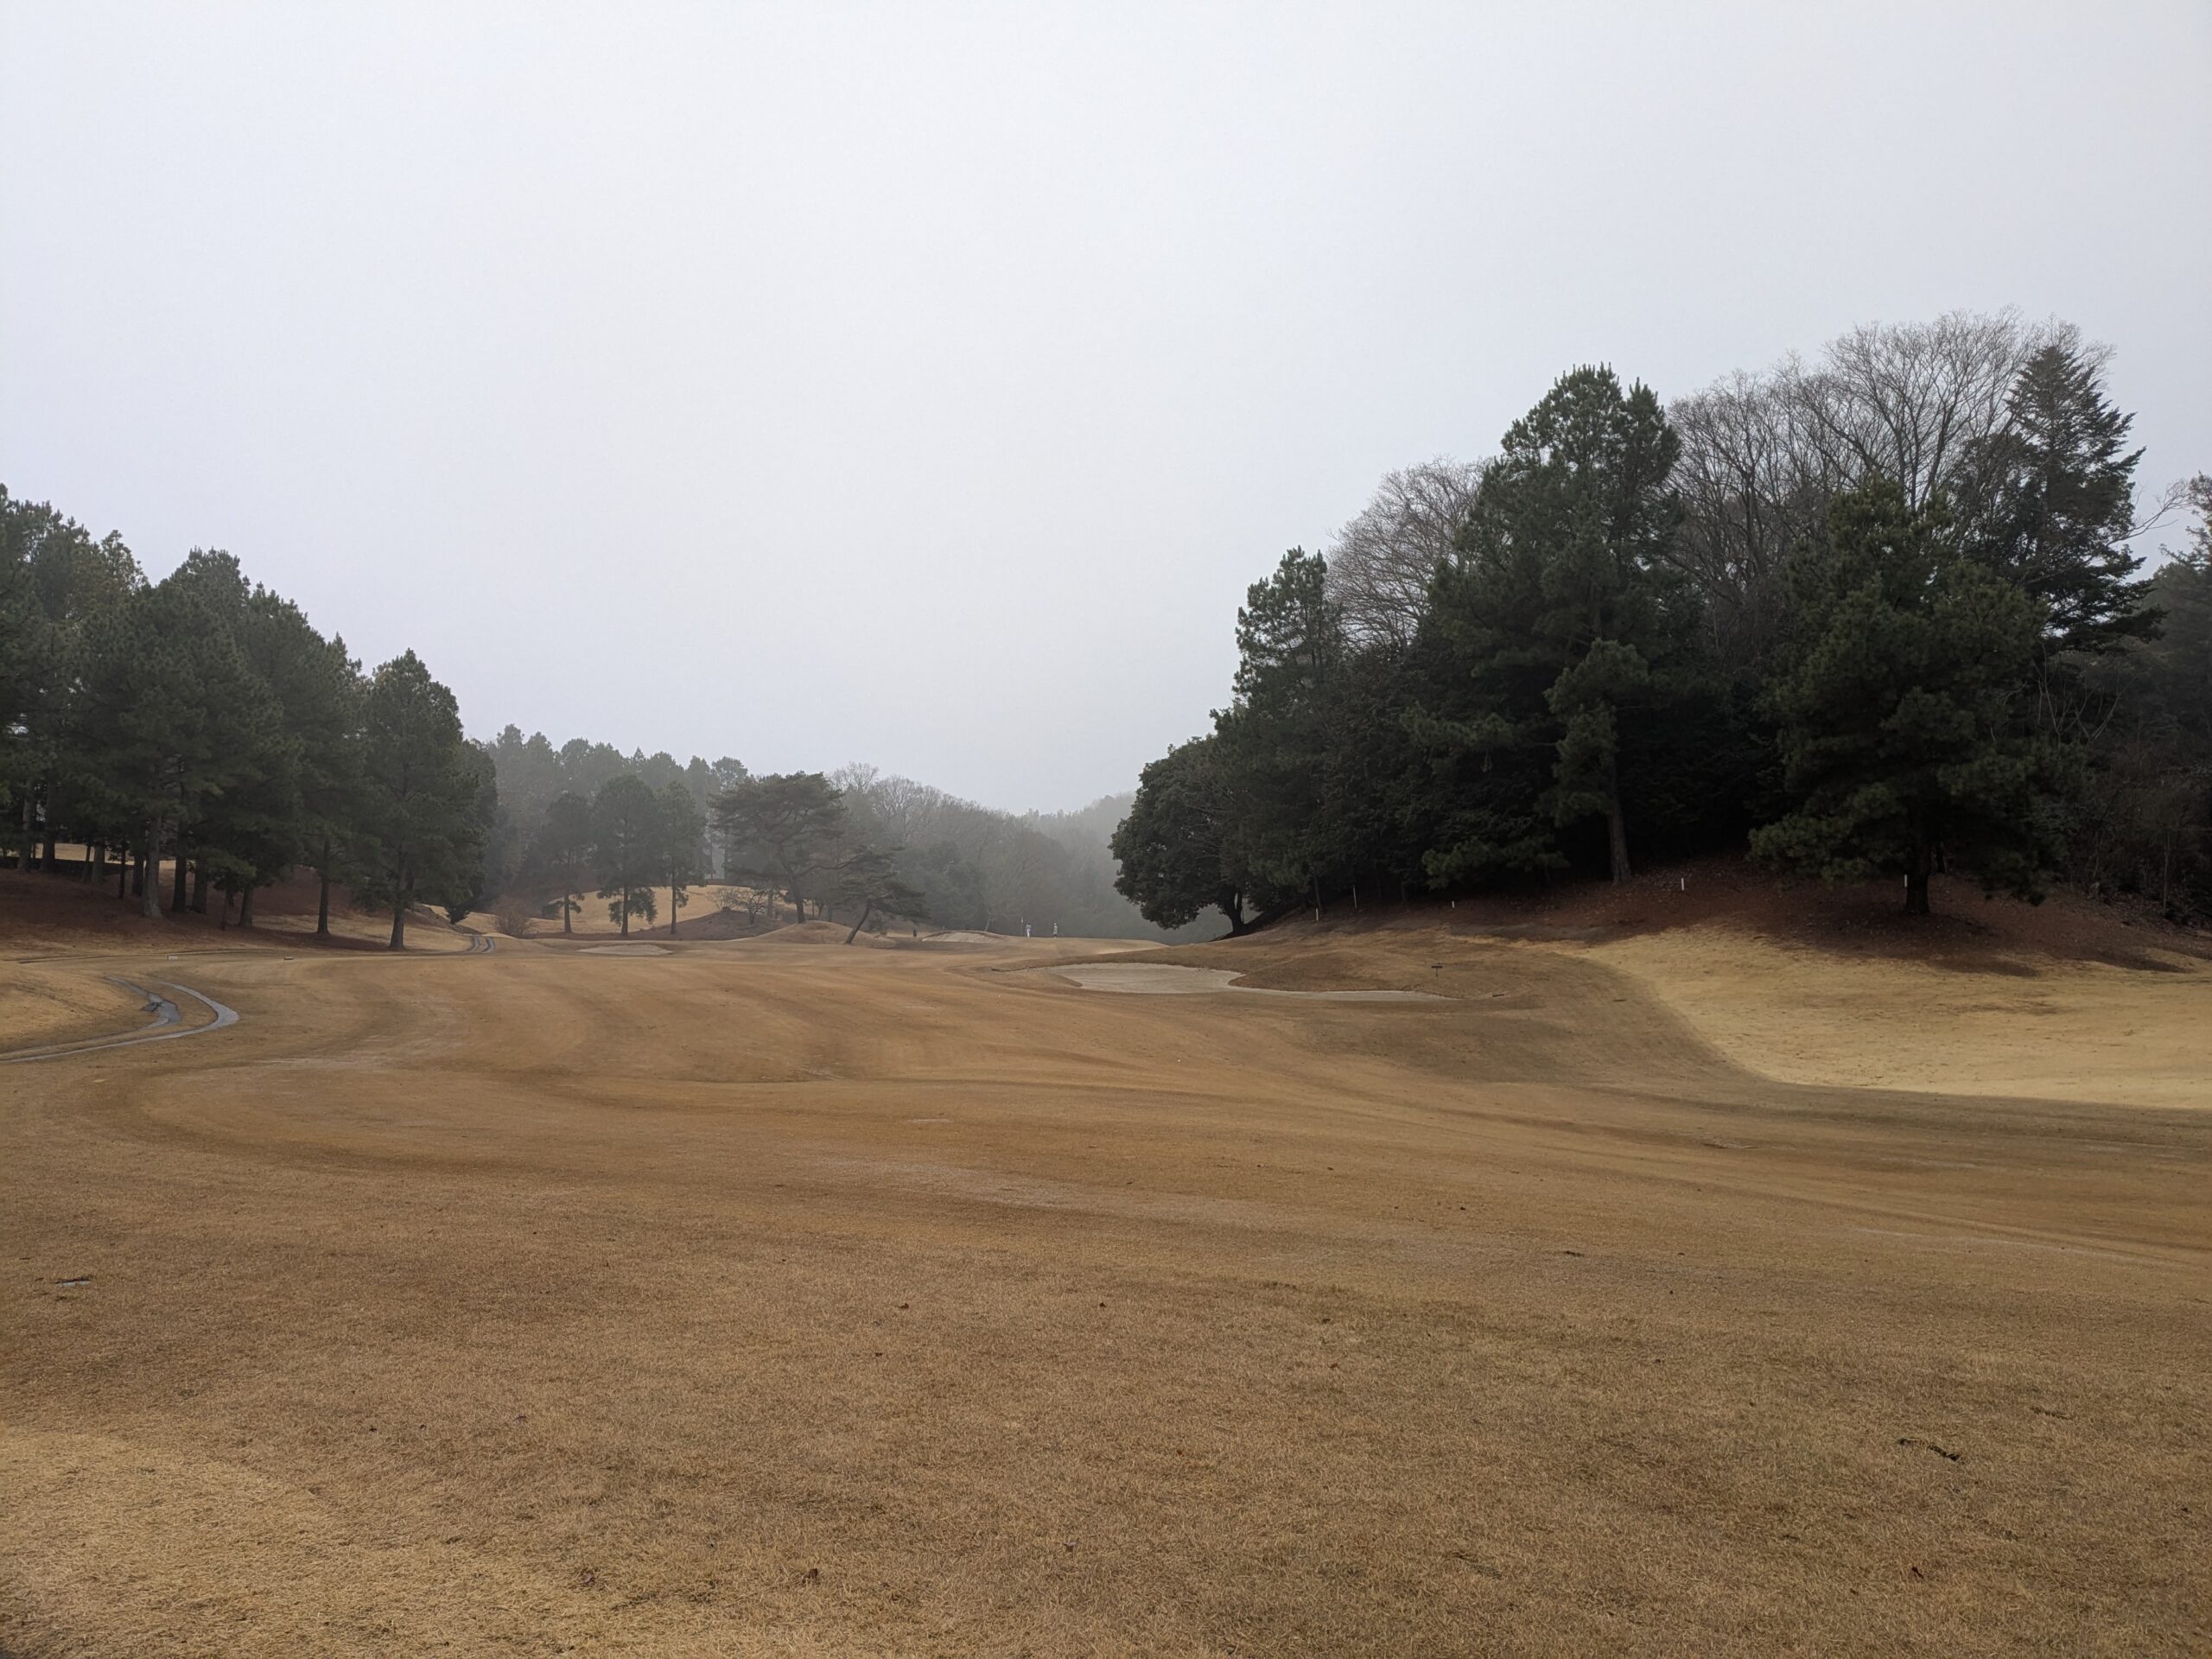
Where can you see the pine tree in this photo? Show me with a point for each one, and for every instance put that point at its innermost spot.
(171, 717)
(682, 829)
(56, 585)
(783, 830)
(560, 855)
(1900, 702)
(1563, 607)
(306, 789)
(869, 878)
(418, 830)
(1263, 765)
(629, 847)
(2056, 502)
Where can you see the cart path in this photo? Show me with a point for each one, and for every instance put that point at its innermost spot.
(168, 1023)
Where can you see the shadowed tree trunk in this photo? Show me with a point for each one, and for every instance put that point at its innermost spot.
(1916, 873)
(176, 886)
(399, 907)
(1231, 904)
(1616, 821)
(150, 890)
(322, 902)
(245, 907)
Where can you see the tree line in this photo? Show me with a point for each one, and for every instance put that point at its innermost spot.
(1877, 614)
(202, 723)
(202, 719)
(858, 845)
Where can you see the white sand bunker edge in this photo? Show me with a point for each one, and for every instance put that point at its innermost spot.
(1170, 979)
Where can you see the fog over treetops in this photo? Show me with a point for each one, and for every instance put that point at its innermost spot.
(926, 387)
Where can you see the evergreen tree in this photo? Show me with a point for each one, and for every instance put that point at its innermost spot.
(318, 686)
(562, 854)
(629, 847)
(418, 832)
(2145, 822)
(1563, 606)
(2054, 501)
(171, 716)
(1900, 700)
(682, 829)
(305, 786)
(56, 583)
(782, 830)
(869, 878)
(1265, 756)
(1171, 846)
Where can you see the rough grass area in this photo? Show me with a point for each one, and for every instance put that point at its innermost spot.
(741, 1299)
(45, 1003)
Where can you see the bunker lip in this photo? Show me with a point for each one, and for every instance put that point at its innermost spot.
(1173, 979)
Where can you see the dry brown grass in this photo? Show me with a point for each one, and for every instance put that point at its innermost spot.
(2087, 1031)
(702, 915)
(752, 1299)
(47, 1002)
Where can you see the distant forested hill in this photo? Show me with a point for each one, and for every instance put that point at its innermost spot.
(955, 863)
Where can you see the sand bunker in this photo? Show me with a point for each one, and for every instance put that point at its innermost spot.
(1167, 979)
(623, 951)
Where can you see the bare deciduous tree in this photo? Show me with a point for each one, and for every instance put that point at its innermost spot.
(1763, 454)
(1381, 562)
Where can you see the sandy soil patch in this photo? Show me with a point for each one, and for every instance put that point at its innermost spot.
(636, 949)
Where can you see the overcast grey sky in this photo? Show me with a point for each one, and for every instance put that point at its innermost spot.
(923, 385)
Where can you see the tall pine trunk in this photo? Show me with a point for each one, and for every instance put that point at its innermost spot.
(322, 902)
(199, 886)
(1922, 859)
(1616, 821)
(176, 888)
(398, 924)
(149, 892)
(245, 908)
(568, 911)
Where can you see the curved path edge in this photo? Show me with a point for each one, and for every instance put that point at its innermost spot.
(168, 1023)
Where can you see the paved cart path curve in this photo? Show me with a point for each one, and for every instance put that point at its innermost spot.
(168, 1023)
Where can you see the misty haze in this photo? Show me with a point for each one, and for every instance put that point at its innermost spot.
(1171, 831)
